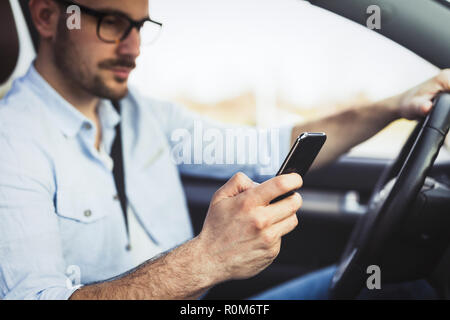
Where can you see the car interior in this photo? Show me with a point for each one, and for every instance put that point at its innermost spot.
(356, 211)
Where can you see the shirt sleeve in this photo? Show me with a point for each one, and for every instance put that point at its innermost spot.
(31, 259)
(201, 146)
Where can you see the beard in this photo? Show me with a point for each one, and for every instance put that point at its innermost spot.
(69, 61)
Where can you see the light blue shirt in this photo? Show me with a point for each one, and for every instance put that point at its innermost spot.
(58, 210)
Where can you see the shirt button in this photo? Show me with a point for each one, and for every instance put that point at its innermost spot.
(87, 213)
(87, 126)
(128, 247)
(116, 197)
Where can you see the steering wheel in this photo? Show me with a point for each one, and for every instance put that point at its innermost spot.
(395, 191)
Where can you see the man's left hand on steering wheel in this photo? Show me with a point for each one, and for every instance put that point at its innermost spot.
(418, 101)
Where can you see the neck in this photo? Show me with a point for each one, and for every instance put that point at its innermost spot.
(83, 101)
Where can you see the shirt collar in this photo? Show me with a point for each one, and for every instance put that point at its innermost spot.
(109, 117)
(67, 117)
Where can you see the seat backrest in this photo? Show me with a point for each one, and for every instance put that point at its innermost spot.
(16, 45)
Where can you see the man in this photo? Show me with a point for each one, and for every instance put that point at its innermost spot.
(59, 208)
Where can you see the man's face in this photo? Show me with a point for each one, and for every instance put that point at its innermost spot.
(100, 68)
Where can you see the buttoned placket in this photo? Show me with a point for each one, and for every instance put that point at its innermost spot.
(88, 134)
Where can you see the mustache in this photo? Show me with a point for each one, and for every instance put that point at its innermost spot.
(112, 63)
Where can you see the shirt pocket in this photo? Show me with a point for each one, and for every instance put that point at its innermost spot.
(91, 229)
(83, 207)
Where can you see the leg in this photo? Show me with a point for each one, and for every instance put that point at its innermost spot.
(315, 286)
(309, 287)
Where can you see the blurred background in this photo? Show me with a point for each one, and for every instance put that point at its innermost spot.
(268, 62)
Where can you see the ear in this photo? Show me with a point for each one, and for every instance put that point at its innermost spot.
(45, 15)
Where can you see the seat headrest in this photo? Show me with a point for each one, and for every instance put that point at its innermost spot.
(9, 42)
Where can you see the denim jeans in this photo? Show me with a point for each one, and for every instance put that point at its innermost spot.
(315, 286)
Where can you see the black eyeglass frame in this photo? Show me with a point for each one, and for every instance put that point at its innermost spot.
(101, 14)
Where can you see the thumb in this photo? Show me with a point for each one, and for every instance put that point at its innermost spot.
(236, 185)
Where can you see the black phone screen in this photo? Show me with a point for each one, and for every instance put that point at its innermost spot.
(301, 156)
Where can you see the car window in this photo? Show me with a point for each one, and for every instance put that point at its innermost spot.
(272, 62)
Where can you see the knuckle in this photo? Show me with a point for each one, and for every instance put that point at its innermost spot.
(297, 201)
(281, 183)
(292, 206)
(292, 223)
(239, 177)
(268, 239)
(275, 251)
(259, 223)
(246, 204)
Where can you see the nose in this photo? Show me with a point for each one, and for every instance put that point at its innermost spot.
(130, 46)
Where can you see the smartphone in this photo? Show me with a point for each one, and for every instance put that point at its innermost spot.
(301, 156)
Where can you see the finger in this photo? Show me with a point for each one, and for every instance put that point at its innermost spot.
(237, 184)
(444, 80)
(440, 84)
(284, 226)
(277, 186)
(280, 210)
(420, 106)
(425, 107)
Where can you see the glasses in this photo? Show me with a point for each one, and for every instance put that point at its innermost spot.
(114, 27)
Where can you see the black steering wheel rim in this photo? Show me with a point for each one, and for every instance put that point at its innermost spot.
(390, 200)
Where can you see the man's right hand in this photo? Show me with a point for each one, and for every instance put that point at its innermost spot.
(242, 232)
(240, 237)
